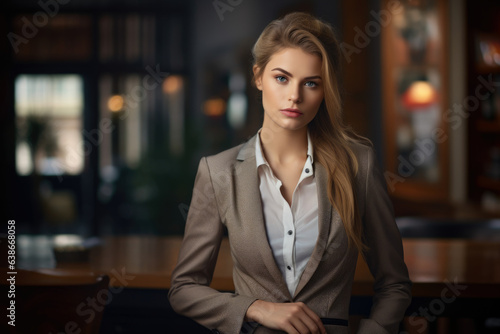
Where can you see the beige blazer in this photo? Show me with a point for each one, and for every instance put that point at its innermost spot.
(226, 195)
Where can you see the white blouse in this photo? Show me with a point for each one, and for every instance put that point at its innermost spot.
(292, 231)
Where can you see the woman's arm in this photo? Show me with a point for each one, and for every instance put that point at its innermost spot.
(293, 318)
(384, 257)
(190, 294)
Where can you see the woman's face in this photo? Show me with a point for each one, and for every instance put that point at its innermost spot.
(292, 89)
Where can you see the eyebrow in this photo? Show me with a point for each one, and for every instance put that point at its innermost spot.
(290, 74)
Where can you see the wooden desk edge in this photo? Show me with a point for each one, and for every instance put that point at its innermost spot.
(359, 288)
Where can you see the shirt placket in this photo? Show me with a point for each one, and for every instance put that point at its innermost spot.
(290, 227)
(288, 243)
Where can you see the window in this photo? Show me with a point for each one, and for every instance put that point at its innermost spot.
(49, 112)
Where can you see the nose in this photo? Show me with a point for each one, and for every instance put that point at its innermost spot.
(295, 94)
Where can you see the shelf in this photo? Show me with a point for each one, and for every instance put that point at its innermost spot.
(488, 126)
(488, 183)
(483, 133)
(487, 69)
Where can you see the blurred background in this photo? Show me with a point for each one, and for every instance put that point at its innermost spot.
(107, 107)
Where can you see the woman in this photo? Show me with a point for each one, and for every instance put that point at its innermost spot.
(299, 200)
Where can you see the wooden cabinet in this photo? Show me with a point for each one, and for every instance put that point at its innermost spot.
(415, 99)
(483, 89)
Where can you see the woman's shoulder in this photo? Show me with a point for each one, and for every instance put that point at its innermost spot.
(225, 156)
(229, 157)
(363, 150)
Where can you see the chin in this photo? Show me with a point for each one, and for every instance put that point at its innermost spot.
(293, 127)
(290, 124)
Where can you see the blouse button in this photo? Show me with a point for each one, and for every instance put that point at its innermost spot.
(307, 170)
(290, 232)
(288, 267)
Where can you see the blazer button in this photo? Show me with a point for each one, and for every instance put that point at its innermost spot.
(215, 331)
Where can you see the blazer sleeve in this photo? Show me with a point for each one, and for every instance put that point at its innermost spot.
(392, 286)
(190, 294)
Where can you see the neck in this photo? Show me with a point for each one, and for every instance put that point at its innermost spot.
(283, 145)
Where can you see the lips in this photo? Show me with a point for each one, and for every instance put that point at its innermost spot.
(290, 112)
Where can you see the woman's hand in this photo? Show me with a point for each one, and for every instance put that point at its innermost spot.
(293, 318)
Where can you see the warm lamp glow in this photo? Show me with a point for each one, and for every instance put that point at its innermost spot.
(115, 103)
(420, 94)
(214, 107)
(172, 84)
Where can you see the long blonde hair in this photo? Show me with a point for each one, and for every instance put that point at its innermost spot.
(330, 136)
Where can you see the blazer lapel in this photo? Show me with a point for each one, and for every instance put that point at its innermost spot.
(248, 184)
(326, 214)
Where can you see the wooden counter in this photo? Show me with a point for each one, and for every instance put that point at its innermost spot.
(432, 265)
(452, 278)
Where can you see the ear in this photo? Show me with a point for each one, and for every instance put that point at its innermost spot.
(258, 79)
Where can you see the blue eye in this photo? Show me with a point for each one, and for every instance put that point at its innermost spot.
(311, 84)
(280, 78)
